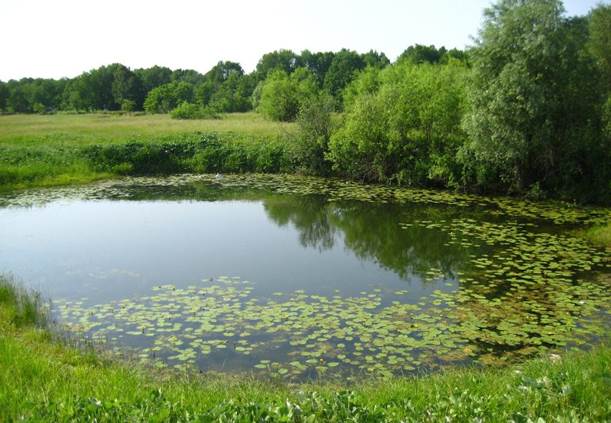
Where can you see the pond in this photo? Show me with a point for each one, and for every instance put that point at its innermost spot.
(298, 278)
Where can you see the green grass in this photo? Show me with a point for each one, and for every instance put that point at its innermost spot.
(46, 150)
(44, 379)
(599, 235)
(70, 130)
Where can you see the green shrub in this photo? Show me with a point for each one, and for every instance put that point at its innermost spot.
(404, 126)
(282, 95)
(315, 128)
(192, 111)
(128, 105)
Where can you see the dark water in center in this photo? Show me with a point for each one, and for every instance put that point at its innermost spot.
(113, 249)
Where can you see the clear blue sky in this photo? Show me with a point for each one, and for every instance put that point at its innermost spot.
(43, 38)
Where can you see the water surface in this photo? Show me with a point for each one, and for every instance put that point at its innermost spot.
(299, 279)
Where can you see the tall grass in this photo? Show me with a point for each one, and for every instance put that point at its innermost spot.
(21, 307)
(58, 150)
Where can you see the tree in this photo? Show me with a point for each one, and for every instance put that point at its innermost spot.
(600, 39)
(317, 63)
(3, 96)
(126, 86)
(403, 125)
(283, 94)
(153, 77)
(344, 67)
(368, 82)
(375, 60)
(226, 88)
(166, 97)
(222, 71)
(536, 101)
(190, 76)
(315, 127)
(419, 53)
(284, 60)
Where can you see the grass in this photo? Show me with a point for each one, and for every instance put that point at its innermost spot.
(70, 130)
(599, 235)
(46, 150)
(44, 379)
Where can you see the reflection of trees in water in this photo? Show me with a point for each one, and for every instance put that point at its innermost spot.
(308, 214)
(371, 231)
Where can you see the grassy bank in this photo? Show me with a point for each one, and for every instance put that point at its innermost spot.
(598, 235)
(44, 379)
(39, 150)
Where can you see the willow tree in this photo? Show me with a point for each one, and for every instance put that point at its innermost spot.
(535, 120)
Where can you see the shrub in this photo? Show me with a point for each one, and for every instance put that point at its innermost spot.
(192, 111)
(282, 95)
(405, 127)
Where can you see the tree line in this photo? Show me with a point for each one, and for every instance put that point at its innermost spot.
(526, 110)
(224, 88)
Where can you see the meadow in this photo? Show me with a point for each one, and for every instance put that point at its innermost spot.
(49, 150)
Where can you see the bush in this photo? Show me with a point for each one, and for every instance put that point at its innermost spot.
(166, 97)
(128, 105)
(282, 95)
(315, 128)
(193, 111)
(404, 126)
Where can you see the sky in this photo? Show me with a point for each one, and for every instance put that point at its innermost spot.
(63, 38)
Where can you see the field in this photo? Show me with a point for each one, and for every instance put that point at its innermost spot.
(45, 150)
(81, 129)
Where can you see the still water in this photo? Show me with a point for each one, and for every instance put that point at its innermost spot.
(216, 275)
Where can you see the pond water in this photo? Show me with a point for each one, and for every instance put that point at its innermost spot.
(300, 277)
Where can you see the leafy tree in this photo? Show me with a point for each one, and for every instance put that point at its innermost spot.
(126, 86)
(368, 82)
(3, 96)
(153, 77)
(375, 60)
(536, 102)
(78, 94)
(190, 76)
(233, 95)
(315, 128)
(226, 88)
(403, 125)
(419, 53)
(600, 38)
(285, 60)
(17, 101)
(317, 63)
(222, 71)
(283, 94)
(167, 96)
(344, 67)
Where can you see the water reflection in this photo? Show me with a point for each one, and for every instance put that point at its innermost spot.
(316, 285)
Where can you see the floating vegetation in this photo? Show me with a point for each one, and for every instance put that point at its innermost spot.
(333, 189)
(524, 300)
(516, 284)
